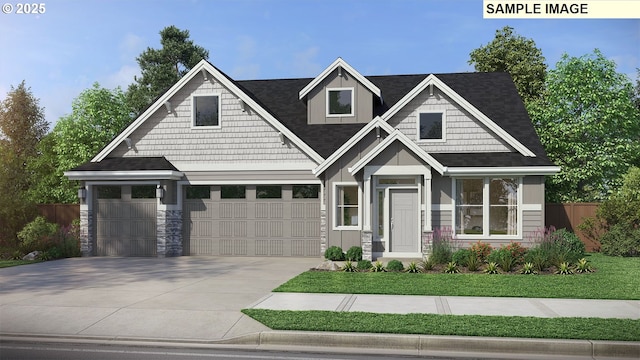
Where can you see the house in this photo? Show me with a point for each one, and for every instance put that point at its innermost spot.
(290, 167)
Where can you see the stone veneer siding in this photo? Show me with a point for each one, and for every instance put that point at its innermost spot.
(367, 245)
(86, 232)
(323, 232)
(169, 233)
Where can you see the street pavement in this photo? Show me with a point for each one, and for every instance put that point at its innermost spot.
(198, 300)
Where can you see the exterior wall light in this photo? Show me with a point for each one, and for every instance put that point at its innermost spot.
(159, 192)
(82, 193)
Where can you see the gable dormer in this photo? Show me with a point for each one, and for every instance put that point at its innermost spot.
(340, 94)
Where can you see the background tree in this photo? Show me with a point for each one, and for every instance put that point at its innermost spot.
(97, 116)
(161, 68)
(516, 55)
(22, 125)
(589, 126)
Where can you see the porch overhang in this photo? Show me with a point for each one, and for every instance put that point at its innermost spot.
(515, 171)
(124, 175)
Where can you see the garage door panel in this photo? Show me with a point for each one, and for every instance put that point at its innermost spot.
(252, 227)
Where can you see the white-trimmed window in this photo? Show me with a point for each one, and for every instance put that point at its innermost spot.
(487, 206)
(340, 102)
(206, 111)
(431, 126)
(347, 199)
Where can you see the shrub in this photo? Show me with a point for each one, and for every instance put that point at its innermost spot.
(482, 250)
(621, 241)
(565, 247)
(334, 253)
(539, 257)
(426, 265)
(492, 268)
(378, 267)
(349, 266)
(517, 251)
(413, 267)
(583, 266)
(528, 269)
(395, 265)
(473, 263)
(564, 269)
(354, 253)
(442, 246)
(364, 265)
(451, 268)
(461, 257)
(37, 235)
(503, 258)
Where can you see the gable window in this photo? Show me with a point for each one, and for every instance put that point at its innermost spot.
(340, 102)
(206, 110)
(347, 209)
(487, 206)
(431, 126)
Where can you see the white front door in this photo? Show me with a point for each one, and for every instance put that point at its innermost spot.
(404, 236)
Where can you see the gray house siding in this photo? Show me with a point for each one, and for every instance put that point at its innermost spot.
(463, 132)
(317, 101)
(243, 136)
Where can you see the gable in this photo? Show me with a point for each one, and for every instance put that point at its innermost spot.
(242, 136)
(461, 132)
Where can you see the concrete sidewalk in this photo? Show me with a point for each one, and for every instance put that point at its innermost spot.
(452, 305)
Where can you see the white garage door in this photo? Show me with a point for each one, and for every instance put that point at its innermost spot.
(252, 220)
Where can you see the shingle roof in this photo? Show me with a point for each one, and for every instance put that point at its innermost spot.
(494, 94)
(128, 164)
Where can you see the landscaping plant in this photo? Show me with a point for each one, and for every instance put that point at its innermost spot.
(492, 268)
(334, 253)
(583, 266)
(395, 265)
(413, 267)
(378, 267)
(364, 265)
(354, 253)
(451, 268)
(482, 250)
(461, 257)
(564, 269)
(528, 269)
(349, 266)
(442, 245)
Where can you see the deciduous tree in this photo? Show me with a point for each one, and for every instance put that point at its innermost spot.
(589, 126)
(516, 55)
(161, 68)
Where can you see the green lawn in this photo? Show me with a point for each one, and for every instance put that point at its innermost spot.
(615, 278)
(465, 325)
(9, 263)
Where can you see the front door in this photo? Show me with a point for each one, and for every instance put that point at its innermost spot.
(404, 221)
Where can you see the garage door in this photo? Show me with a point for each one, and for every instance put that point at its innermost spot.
(252, 220)
(126, 221)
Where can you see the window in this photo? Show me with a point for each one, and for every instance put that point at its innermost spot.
(431, 126)
(198, 192)
(206, 110)
(233, 192)
(347, 210)
(487, 206)
(306, 191)
(143, 192)
(269, 192)
(339, 102)
(109, 192)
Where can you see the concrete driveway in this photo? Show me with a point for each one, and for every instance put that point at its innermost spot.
(183, 298)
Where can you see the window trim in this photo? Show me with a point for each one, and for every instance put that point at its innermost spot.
(353, 102)
(193, 111)
(444, 126)
(486, 209)
(335, 203)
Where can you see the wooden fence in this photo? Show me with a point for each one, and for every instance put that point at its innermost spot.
(569, 216)
(61, 214)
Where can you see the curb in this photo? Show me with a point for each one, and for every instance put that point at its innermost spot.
(375, 343)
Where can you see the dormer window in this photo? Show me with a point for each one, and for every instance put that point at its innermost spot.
(431, 126)
(206, 111)
(340, 102)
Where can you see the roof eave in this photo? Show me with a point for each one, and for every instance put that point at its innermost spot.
(124, 175)
(506, 170)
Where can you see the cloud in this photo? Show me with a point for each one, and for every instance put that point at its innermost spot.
(131, 46)
(123, 77)
(305, 64)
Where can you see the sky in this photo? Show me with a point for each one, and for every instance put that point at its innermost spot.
(76, 43)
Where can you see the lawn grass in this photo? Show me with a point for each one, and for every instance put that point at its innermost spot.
(615, 278)
(461, 325)
(9, 263)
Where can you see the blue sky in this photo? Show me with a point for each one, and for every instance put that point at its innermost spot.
(76, 43)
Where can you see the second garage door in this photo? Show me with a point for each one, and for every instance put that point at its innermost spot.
(239, 220)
